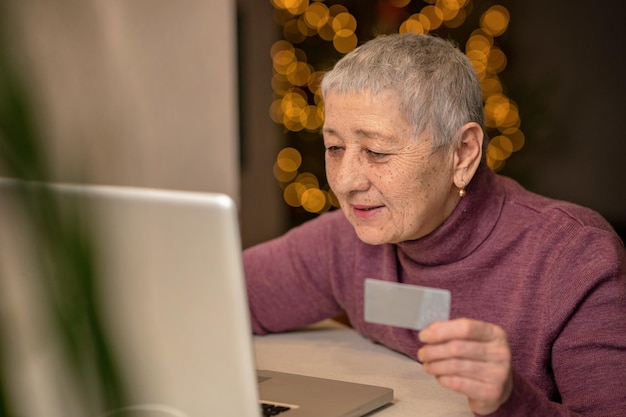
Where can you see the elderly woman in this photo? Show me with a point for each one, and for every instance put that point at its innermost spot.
(538, 313)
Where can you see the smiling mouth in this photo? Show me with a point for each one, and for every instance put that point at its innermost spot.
(365, 211)
(365, 208)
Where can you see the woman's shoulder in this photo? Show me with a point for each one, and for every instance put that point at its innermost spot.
(547, 210)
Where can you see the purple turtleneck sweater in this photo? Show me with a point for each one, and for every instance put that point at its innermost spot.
(552, 274)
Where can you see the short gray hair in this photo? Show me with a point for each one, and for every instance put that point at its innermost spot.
(436, 84)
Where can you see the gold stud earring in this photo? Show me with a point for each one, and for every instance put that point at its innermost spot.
(462, 191)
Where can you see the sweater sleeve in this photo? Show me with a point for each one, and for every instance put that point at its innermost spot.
(528, 401)
(589, 353)
(588, 356)
(289, 278)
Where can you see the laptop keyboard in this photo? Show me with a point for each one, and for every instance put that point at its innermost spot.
(270, 410)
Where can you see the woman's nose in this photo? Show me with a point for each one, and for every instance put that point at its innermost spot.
(349, 175)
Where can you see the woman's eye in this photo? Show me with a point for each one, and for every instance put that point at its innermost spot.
(376, 155)
(333, 149)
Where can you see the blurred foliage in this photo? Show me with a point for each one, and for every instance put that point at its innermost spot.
(65, 254)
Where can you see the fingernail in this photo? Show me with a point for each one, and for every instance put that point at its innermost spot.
(422, 335)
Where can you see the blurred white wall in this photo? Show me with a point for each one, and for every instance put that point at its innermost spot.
(140, 92)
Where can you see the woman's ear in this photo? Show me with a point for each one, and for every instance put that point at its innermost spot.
(468, 154)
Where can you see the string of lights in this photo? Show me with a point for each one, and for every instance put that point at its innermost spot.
(298, 105)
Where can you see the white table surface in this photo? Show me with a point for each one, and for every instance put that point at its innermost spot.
(331, 350)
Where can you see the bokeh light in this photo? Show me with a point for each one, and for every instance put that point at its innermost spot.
(416, 23)
(434, 15)
(289, 160)
(316, 16)
(495, 20)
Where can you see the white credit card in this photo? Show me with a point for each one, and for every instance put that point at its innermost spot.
(404, 305)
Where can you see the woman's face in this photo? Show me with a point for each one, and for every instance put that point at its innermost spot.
(392, 187)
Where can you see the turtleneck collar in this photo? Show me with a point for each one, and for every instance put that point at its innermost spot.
(468, 226)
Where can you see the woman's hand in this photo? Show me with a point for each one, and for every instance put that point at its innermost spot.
(470, 357)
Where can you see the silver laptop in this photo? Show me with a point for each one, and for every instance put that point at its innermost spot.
(173, 303)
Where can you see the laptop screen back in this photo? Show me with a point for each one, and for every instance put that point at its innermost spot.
(172, 299)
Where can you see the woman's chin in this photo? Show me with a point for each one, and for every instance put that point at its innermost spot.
(373, 237)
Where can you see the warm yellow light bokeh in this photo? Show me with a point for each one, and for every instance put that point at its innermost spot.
(289, 159)
(298, 73)
(457, 21)
(316, 15)
(434, 15)
(399, 3)
(344, 21)
(313, 200)
(294, 7)
(416, 23)
(495, 20)
(496, 61)
(345, 41)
